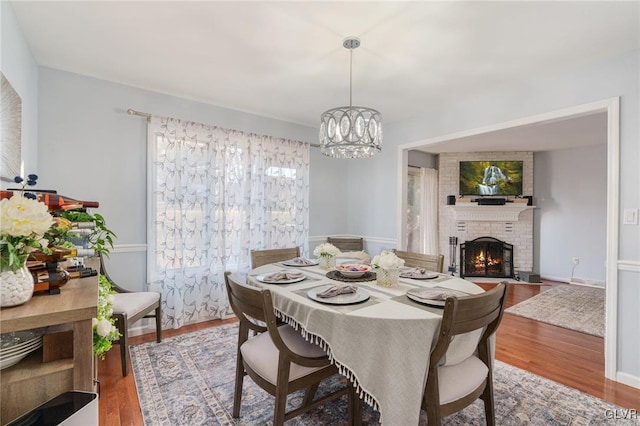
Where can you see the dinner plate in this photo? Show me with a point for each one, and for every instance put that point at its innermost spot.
(415, 275)
(291, 262)
(431, 302)
(342, 299)
(262, 279)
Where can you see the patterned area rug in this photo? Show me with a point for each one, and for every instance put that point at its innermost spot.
(188, 380)
(569, 306)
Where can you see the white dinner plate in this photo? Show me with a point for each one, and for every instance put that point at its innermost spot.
(411, 294)
(415, 275)
(291, 262)
(262, 279)
(342, 299)
(20, 348)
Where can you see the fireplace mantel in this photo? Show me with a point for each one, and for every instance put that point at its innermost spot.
(473, 212)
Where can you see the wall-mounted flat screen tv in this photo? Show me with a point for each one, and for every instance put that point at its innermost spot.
(491, 178)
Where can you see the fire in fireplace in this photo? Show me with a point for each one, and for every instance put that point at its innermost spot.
(486, 257)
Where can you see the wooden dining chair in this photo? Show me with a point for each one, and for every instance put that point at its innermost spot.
(128, 308)
(263, 257)
(347, 244)
(454, 384)
(277, 357)
(430, 262)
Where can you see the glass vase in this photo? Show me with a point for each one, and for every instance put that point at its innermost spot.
(327, 262)
(387, 277)
(16, 287)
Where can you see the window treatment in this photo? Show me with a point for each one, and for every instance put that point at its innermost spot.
(215, 194)
(422, 215)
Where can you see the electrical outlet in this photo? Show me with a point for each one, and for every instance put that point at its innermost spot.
(576, 260)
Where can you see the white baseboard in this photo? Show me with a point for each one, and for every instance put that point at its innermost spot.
(628, 379)
(587, 282)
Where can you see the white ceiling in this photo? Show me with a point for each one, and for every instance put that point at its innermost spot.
(285, 59)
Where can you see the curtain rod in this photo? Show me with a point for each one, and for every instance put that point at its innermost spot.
(148, 116)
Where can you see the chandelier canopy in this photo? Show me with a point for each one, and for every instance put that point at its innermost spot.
(350, 131)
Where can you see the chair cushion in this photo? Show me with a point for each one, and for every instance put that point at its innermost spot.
(459, 380)
(134, 303)
(261, 355)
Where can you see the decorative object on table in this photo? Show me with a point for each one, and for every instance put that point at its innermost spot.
(353, 270)
(326, 254)
(337, 276)
(350, 131)
(387, 267)
(22, 228)
(338, 294)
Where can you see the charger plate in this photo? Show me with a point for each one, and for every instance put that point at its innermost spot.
(359, 296)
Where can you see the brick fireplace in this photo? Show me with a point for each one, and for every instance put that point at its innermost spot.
(499, 222)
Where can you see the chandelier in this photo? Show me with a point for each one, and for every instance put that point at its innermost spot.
(350, 131)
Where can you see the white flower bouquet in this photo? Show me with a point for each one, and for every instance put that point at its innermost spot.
(387, 260)
(23, 223)
(104, 330)
(326, 250)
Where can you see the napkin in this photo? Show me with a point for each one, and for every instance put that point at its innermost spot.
(283, 276)
(439, 294)
(301, 261)
(336, 290)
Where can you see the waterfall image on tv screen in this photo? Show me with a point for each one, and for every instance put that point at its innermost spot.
(491, 178)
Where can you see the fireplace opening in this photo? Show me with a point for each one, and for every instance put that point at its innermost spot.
(486, 257)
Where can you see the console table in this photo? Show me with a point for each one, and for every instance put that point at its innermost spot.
(32, 382)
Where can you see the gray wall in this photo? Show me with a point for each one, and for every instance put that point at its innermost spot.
(21, 70)
(570, 189)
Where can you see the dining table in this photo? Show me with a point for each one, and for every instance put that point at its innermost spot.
(379, 338)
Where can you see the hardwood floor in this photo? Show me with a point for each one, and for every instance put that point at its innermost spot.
(565, 356)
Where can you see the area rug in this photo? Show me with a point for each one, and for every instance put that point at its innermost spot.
(188, 380)
(574, 307)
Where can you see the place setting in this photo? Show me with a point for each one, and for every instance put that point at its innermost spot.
(434, 296)
(300, 262)
(418, 274)
(282, 277)
(339, 294)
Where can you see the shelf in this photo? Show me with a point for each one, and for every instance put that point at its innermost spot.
(469, 212)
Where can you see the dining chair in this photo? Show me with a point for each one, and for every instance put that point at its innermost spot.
(263, 257)
(453, 384)
(347, 244)
(128, 308)
(431, 262)
(277, 357)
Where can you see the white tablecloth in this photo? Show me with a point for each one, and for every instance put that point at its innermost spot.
(382, 345)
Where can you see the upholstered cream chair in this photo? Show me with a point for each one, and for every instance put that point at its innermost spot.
(128, 308)
(453, 384)
(347, 244)
(264, 257)
(418, 260)
(277, 357)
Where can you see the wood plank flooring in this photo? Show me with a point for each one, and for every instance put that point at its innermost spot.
(565, 356)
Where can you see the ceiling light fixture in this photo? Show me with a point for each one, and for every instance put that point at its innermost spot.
(353, 131)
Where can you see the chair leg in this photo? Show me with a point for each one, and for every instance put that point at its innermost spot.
(237, 394)
(432, 400)
(355, 407)
(282, 382)
(310, 394)
(487, 398)
(158, 324)
(121, 325)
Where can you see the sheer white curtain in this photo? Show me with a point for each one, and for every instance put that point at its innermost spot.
(215, 194)
(429, 183)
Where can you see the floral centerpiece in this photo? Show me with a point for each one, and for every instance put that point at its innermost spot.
(387, 266)
(326, 254)
(104, 330)
(23, 223)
